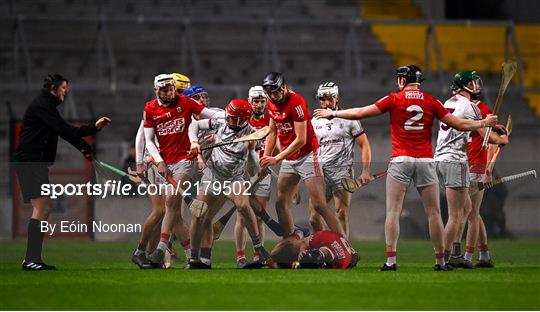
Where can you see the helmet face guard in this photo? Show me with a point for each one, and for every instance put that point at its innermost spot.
(238, 113)
(468, 81)
(199, 94)
(257, 98)
(328, 94)
(182, 82)
(165, 89)
(274, 87)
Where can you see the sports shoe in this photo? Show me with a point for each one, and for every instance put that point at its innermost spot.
(484, 264)
(445, 267)
(36, 266)
(156, 259)
(140, 260)
(467, 264)
(254, 265)
(386, 267)
(459, 262)
(263, 254)
(241, 263)
(197, 265)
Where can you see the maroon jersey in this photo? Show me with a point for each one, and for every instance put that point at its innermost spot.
(293, 109)
(338, 246)
(411, 119)
(477, 155)
(171, 126)
(258, 124)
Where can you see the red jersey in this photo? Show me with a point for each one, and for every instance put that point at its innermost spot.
(411, 120)
(477, 155)
(293, 109)
(258, 124)
(339, 246)
(171, 126)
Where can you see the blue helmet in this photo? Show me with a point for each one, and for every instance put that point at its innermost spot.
(196, 89)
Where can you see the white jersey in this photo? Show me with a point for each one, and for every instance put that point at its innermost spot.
(207, 136)
(336, 139)
(228, 162)
(452, 143)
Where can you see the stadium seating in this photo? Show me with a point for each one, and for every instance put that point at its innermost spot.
(393, 9)
(528, 37)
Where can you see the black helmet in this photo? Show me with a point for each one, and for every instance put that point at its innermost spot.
(273, 81)
(411, 73)
(312, 259)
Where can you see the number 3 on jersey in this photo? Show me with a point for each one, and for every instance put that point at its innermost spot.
(444, 126)
(418, 113)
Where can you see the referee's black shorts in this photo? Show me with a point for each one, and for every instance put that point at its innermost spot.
(31, 176)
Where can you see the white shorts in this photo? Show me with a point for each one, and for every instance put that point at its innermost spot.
(306, 167)
(453, 174)
(333, 176)
(186, 166)
(405, 169)
(263, 188)
(212, 185)
(477, 177)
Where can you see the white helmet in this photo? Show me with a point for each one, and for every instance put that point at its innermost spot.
(328, 89)
(256, 92)
(163, 80)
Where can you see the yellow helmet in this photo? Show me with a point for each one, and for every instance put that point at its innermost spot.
(182, 82)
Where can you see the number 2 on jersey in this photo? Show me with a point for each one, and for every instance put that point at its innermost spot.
(418, 113)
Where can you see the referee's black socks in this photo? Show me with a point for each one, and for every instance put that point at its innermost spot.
(34, 241)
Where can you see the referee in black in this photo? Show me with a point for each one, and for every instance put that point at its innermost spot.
(41, 126)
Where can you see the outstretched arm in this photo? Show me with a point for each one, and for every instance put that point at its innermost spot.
(351, 113)
(462, 124)
(212, 114)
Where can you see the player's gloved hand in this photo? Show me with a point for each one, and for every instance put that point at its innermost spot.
(324, 113)
(103, 122)
(490, 120)
(365, 177)
(195, 148)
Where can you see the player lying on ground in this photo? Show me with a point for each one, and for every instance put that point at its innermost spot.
(291, 124)
(167, 117)
(149, 238)
(223, 179)
(412, 112)
(323, 249)
(452, 162)
(336, 153)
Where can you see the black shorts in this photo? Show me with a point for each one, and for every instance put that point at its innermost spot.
(31, 176)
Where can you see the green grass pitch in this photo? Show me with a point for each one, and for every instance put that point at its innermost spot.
(100, 276)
